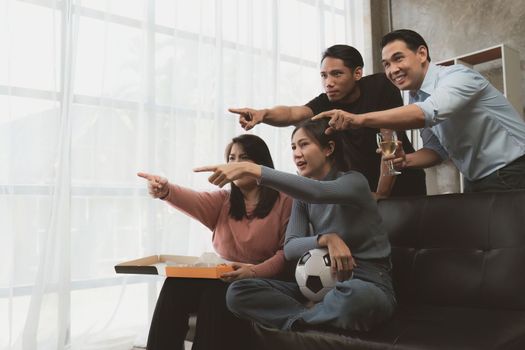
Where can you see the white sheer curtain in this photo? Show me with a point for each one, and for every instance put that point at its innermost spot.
(93, 91)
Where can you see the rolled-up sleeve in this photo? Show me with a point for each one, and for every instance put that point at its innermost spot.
(431, 141)
(452, 92)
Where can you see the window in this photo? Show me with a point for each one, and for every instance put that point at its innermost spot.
(92, 91)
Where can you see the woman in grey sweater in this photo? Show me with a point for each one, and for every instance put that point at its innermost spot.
(332, 209)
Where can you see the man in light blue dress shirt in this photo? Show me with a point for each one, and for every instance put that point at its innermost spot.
(461, 115)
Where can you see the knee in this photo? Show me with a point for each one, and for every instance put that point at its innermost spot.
(238, 294)
(358, 295)
(233, 295)
(363, 307)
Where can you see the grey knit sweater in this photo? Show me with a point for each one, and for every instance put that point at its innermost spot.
(341, 203)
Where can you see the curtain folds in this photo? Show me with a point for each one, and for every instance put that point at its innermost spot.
(93, 91)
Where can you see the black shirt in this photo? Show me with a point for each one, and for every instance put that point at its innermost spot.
(377, 94)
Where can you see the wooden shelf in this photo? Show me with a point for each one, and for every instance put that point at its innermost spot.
(446, 63)
(482, 56)
(510, 63)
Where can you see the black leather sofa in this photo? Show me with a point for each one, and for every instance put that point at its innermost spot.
(459, 274)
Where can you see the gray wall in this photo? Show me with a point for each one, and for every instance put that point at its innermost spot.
(452, 28)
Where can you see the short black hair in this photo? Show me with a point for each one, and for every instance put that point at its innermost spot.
(257, 151)
(412, 39)
(349, 55)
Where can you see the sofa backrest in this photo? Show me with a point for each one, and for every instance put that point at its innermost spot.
(458, 249)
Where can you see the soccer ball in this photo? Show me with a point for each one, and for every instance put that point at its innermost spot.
(313, 274)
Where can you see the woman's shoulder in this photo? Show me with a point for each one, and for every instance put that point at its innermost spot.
(285, 205)
(285, 199)
(224, 194)
(216, 195)
(354, 176)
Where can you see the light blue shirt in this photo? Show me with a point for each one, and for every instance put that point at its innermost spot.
(469, 121)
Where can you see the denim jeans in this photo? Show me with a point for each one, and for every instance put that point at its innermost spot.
(356, 304)
(510, 177)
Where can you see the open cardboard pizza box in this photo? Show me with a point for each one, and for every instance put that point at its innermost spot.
(174, 266)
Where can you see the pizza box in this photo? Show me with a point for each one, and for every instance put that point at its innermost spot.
(173, 266)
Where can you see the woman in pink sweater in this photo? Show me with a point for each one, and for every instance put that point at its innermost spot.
(248, 224)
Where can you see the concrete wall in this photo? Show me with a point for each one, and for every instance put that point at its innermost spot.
(453, 28)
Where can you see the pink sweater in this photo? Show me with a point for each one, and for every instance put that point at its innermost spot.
(254, 241)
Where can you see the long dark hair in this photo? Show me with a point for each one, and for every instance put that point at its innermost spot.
(316, 130)
(258, 152)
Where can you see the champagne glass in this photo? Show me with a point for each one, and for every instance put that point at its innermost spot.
(387, 142)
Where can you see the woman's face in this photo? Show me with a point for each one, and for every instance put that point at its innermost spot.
(237, 154)
(309, 157)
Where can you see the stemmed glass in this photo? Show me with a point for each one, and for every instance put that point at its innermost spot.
(387, 142)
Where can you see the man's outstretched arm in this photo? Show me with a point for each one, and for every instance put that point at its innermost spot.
(400, 118)
(276, 116)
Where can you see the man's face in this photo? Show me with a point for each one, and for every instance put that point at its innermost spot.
(339, 82)
(404, 67)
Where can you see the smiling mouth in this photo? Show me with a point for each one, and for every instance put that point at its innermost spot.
(399, 79)
(300, 164)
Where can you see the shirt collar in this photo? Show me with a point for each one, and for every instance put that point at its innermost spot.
(427, 87)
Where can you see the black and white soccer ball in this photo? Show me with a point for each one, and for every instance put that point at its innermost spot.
(313, 274)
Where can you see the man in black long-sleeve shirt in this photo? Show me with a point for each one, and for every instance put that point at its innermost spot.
(346, 89)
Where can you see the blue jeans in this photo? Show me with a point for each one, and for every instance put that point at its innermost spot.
(357, 304)
(510, 177)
